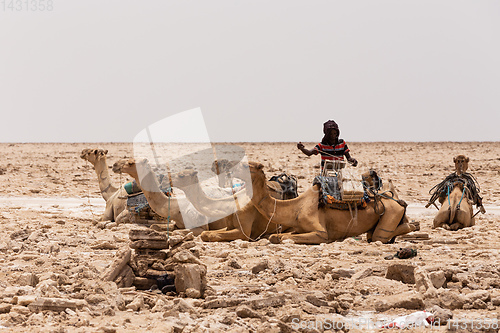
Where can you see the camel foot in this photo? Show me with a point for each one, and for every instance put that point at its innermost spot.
(275, 239)
(206, 236)
(456, 226)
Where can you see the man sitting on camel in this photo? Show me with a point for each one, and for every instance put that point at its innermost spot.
(331, 147)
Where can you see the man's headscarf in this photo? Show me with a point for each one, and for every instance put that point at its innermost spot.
(330, 124)
(327, 127)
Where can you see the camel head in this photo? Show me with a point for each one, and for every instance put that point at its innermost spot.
(185, 178)
(255, 168)
(371, 180)
(128, 166)
(461, 164)
(93, 155)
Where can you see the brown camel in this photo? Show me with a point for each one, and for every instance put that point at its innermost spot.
(457, 199)
(315, 225)
(243, 220)
(116, 203)
(160, 203)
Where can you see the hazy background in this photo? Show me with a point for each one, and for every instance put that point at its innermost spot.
(91, 71)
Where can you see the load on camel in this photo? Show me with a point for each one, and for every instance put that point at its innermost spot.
(457, 194)
(116, 203)
(383, 217)
(222, 209)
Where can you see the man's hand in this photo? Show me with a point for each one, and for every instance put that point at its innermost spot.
(353, 161)
(300, 145)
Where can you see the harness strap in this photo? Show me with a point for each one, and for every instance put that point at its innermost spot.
(463, 191)
(107, 187)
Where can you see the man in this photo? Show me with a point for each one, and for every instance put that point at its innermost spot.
(331, 147)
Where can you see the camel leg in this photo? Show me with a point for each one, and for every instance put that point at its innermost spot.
(387, 227)
(219, 224)
(224, 236)
(455, 226)
(441, 218)
(402, 229)
(123, 217)
(108, 213)
(369, 234)
(315, 237)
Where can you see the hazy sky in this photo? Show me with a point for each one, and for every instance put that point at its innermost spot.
(91, 71)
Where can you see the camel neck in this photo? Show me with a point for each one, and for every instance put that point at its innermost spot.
(159, 202)
(101, 169)
(211, 207)
(279, 211)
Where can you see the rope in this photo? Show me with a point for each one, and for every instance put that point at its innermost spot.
(168, 219)
(466, 179)
(448, 194)
(239, 222)
(89, 204)
(264, 232)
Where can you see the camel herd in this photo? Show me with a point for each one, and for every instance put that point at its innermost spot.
(264, 213)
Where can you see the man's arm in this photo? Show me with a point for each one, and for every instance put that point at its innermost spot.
(306, 151)
(351, 160)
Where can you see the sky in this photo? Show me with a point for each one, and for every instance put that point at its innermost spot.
(103, 71)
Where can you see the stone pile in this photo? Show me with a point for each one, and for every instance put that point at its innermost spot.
(155, 260)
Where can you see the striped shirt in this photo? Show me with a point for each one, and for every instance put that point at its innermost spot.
(337, 151)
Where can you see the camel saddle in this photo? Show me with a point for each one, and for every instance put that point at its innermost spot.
(332, 196)
(288, 185)
(136, 200)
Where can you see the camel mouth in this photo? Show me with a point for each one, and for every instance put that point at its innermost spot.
(117, 167)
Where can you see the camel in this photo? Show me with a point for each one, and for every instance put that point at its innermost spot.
(116, 203)
(160, 203)
(383, 219)
(247, 223)
(457, 194)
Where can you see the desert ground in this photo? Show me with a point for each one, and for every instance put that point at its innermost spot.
(52, 246)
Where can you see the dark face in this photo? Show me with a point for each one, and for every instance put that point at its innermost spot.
(333, 135)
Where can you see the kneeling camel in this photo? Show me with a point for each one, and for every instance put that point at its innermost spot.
(384, 218)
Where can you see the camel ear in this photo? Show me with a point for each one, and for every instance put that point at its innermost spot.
(260, 166)
(106, 152)
(96, 152)
(467, 159)
(454, 160)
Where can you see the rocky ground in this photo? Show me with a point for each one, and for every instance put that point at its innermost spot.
(54, 255)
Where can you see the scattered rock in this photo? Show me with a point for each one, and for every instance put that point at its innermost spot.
(244, 311)
(401, 272)
(5, 308)
(264, 302)
(342, 273)
(409, 300)
(363, 273)
(55, 304)
(423, 283)
(28, 279)
(438, 279)
(450, 299)
(190, 276)
(260, 266)
(136, 304)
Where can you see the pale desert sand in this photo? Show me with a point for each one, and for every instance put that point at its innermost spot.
(49, 190)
